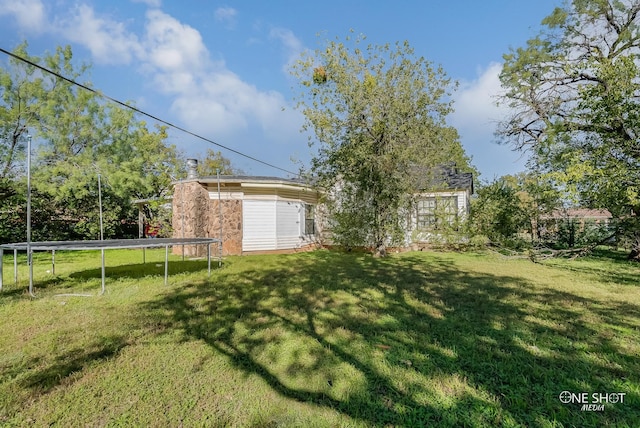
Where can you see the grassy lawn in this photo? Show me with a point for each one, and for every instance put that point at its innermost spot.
(321, 339)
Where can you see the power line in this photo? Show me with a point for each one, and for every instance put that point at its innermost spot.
(137, 110)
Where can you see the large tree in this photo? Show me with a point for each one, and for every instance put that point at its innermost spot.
(78, 136)
(376, 116)
(513, 204)
(20, 90)
(574, 91)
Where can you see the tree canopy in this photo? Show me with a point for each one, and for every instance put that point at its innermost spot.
(511, 207)
(376, 115)
(213, 162)
(574, 92)
(77, 136)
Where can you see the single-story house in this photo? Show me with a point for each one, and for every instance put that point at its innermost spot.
(271, 214)
(252, 214)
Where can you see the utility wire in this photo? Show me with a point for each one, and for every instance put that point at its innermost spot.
(137, 110)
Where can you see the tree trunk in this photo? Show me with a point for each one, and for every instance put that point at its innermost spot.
(380, 250)
(635, 247)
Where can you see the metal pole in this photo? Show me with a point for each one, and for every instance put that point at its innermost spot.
(141, 230)
(220, 208)
(166, 264)
(53, 262)
(140, 221)
(103, 271)
(15, 266)
(100, 206)
(182, 214)
(101, 232)
(29, 251)
(1, 256)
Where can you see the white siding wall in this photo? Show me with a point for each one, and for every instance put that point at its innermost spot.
(258, 225)
(271, 224)
(289, 232)
(272, 213)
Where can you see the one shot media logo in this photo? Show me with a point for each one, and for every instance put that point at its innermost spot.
(592, 402)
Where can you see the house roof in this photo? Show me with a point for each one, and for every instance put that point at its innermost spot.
(246, 179)
(444, 177)
(252, 181)
(252, 178)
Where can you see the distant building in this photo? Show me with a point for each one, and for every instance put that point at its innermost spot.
(582, 216)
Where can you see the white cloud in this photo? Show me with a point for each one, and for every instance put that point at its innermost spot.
(222, 104)
(226, 15)
(476, 116)
(292, 45)
(209, 98)
(206, 97)
(29, 14)
(108, 40)
(475, 103)
(173, 47)
(150, 3)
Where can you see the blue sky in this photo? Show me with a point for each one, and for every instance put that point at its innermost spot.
(219, 69)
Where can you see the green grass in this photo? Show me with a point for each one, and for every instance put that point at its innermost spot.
(320, 339)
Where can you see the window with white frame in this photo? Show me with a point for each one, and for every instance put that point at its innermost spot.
(426, 213)
(309, 219)
(431, 211)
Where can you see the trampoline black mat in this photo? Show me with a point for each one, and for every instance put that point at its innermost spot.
(107, 244)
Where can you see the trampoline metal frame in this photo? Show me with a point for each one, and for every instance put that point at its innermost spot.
(102, 245)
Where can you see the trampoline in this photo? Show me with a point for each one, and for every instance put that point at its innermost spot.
(103, 245)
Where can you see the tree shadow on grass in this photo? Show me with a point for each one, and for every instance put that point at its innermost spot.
(38, 375)
(142, 270)
(79, 278)
(72, 361)
(412, 340)
(619, 269)
(90, 279)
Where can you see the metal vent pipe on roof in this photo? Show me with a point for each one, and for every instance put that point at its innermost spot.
(192, 168)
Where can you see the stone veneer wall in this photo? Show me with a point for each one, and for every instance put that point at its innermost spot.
(191, 200)
(201, 220)
(231, 225)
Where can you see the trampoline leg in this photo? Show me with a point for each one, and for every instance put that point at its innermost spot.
(15, 266)
(1, 255)
(209, 259)
(30, 263)
(53, 262)
(103, 272)
(166, 264)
